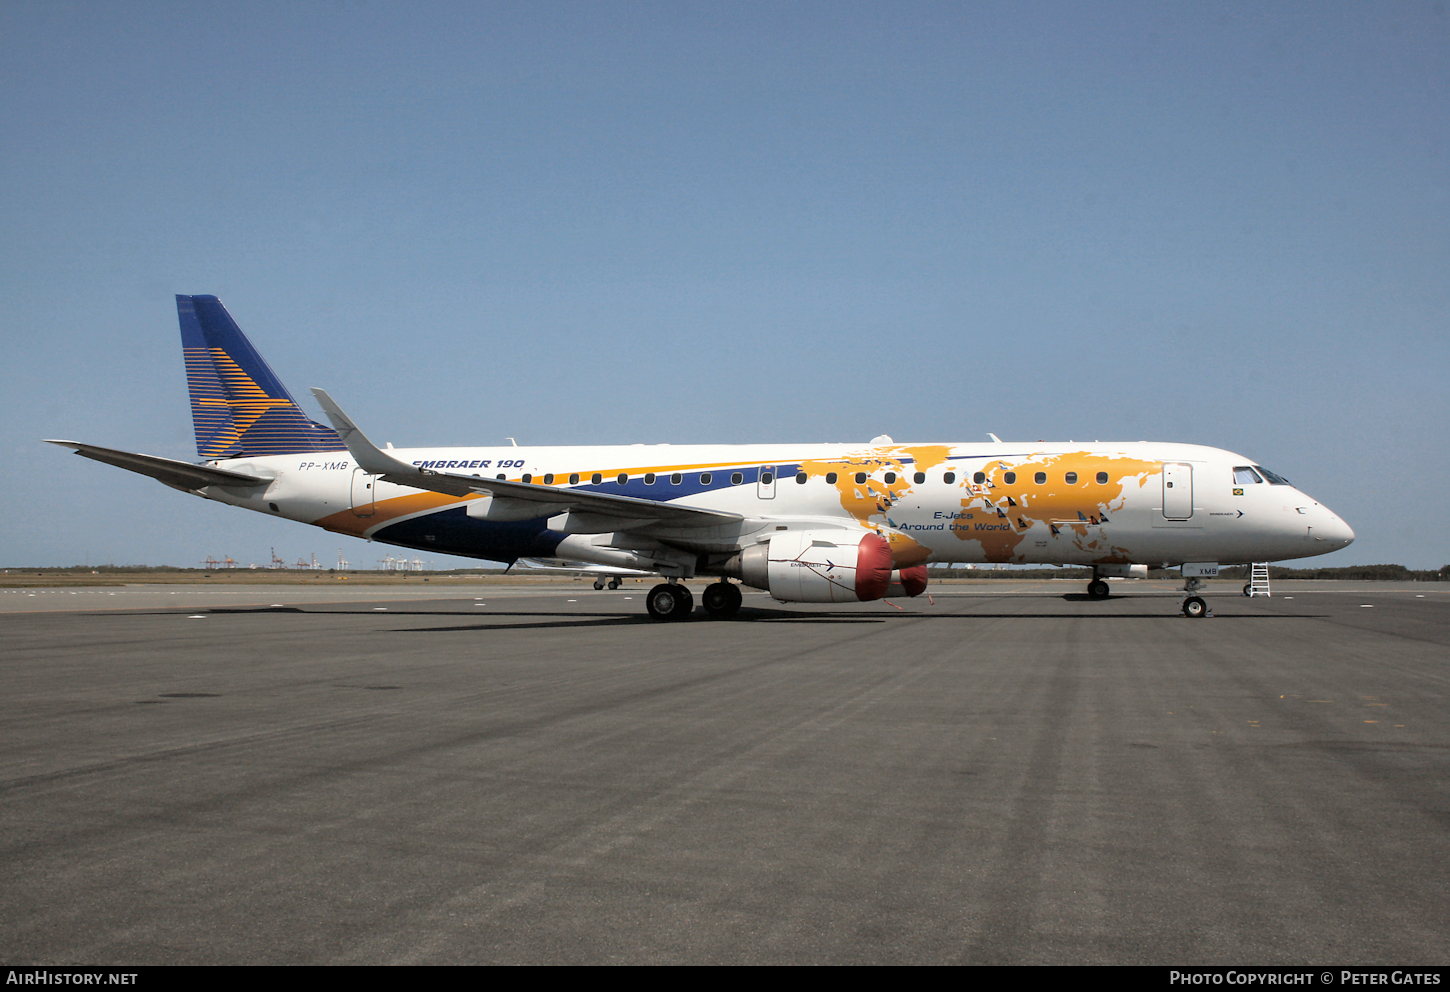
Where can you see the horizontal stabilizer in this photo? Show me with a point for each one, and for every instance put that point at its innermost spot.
(549, 499)
(178, 475)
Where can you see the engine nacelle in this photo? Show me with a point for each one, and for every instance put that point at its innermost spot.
(818, 566)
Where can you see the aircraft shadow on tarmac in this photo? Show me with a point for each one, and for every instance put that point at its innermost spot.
(784, 617)
(746, 615)
(564, 620)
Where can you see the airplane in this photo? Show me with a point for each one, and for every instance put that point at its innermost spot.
(808, 523)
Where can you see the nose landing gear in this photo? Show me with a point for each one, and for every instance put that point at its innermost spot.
(1194, 605)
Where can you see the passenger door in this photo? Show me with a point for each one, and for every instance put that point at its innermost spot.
(364, 493)
(1177, 491)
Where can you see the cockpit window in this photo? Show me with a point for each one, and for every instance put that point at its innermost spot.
(1274, 480)
(1245, 476)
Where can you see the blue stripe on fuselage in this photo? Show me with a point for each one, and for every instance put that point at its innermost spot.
(662, 491)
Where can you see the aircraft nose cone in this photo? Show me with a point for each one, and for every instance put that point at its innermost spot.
(1334, 531)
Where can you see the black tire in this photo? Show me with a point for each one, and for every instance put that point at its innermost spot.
(598, 584)
(1195, 607)
(669, 602)
(661, 601)
(1248, 588)
(721, 600)
(1098, 589)
(685, 601)
(614, 582)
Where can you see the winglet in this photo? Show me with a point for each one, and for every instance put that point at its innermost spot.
(369, 457)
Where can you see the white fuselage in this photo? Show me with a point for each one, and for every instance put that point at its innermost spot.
(1152, 503)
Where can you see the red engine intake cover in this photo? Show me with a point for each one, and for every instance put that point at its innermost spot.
(873, 568)
(913, 580)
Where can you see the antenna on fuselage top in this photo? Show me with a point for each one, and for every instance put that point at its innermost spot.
(994, 437)
(512, 441)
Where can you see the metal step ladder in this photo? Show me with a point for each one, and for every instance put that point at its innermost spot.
(1258, 580)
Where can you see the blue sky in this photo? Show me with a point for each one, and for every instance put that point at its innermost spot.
(1223, 223)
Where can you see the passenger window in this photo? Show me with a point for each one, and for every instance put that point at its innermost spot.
(1102, 478)
(596, 478)
(766, 478)
(890, 478)
(649, 478)
(1010, 478)
(800, 478)
(1245, 476)
(860, 478)
(1070, 478)
(1040, 478)
(549, 478)
(573, 478)
(502, 476)
(528, 477)
(736, 478)
(623, 478)
(831, 478)
(919, 478)
(979, 477)
(676, 479)
(705, 478)
(949, 477)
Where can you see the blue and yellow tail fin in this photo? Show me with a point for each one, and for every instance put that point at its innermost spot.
(239, 407)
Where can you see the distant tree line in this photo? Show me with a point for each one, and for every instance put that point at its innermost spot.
(1357, 573)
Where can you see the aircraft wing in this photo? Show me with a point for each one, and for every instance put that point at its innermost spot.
(178, 475)
(613, 512)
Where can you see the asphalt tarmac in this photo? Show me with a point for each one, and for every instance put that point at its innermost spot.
(1013, 774)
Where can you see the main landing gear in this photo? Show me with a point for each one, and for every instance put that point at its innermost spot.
(721, 600)
(613, 583)
(669, 601)
(1097, 589)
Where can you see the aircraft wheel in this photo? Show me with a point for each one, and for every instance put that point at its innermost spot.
(721, 600)
(669, 602)
(614, 582)
(1248, 588)
(1195, 607)
(1098, 589)
(598, 584)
